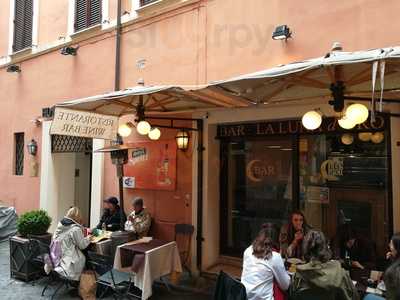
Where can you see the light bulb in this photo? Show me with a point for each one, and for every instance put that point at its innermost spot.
(346, 123)
(154, 134)
(347, 139)
(357, 112)
(365, 136)
(143, 127)
(125, 130)
(311, 120)
(377, 137)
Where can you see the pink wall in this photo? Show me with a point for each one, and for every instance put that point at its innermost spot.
(196, 43)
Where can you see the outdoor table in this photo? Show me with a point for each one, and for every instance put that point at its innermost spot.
(360, 278)
(147, 261)
(103, 247)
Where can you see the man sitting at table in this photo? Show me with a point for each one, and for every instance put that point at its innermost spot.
(139, 220)
(111, 218)
(359, 250)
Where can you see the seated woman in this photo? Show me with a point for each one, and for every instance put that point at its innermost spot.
(261, 266)
(391, 276)
(292, 234)
(320, 277)
(69, 235)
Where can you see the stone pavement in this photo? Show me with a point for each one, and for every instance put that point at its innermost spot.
(11, 288)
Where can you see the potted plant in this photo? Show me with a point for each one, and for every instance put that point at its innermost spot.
(23, 255)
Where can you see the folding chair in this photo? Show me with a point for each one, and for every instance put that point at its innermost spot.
(184, 231)
(43, 257)
(111, 279)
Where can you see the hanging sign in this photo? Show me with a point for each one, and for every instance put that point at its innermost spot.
(84, 124)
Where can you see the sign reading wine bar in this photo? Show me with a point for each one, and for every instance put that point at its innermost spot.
(292, 127)
(84, 124)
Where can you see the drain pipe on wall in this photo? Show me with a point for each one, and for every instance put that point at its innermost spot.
(118, 49)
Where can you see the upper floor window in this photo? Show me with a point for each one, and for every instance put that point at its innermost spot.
(145, 2)
(23, 24)
(87, 13)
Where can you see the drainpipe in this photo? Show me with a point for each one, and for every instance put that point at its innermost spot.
(118, 49)
(199, 234)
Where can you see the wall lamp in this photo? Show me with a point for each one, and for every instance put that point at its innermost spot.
(32, 147)
(69, 51)
(281, 32)
(14, 69)
(182, 140)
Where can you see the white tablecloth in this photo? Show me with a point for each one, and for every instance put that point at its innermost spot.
(158, 262)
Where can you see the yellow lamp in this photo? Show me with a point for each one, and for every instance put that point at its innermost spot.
(311, 120)
(364, 136)
(377, 137)
(182, 140)
(346, 123)
(154, 134)
(347, 139)
(143, 127)
(357, 112)
(125, 130)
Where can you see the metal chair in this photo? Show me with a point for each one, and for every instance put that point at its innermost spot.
(111, 279)
(185, 231)
(42, 256)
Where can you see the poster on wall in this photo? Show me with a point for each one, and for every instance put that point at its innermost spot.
(152, 165)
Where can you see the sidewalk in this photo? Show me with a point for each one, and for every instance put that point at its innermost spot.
(11, 288)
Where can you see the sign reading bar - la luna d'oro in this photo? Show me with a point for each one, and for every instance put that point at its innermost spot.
(84, 124)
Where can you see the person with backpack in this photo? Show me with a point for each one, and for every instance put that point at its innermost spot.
(67, 245)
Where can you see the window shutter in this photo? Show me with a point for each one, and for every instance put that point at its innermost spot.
(87, 13)
(23, 24)
(145, 2)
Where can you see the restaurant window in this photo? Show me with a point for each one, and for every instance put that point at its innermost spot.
(19, 153)
(23, 24)
(87, 13)
(256, 189)
(344, 180)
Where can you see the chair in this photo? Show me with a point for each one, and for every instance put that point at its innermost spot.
(312, 294)
(118, 282)
(228, 288)
(42, 256)
(184, 231)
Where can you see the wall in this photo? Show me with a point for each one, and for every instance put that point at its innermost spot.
(166, 207)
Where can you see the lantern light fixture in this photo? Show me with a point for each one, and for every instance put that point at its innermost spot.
(143, 127)
(182, 140)
(69, 50)
(311, 120)
(154, 134)
(357, 112)
(281, 32)
(32, 147)
(125, 130)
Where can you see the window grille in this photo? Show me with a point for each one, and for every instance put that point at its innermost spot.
(19, 153)
(68, 144)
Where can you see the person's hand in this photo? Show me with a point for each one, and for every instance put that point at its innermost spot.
(298, 236)
(357, 265)
(130, 218)
(389, 255)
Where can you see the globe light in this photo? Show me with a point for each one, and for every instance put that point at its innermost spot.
(125, 130)
(311, 120)
(143, 127)
(346, 123)
(377, 137)
(357, 112)
(347, 139)
(154, 134)
(364, 136)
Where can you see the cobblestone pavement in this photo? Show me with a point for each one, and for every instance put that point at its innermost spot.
(11, 288)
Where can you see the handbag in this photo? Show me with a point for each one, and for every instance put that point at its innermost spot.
(87, 285)
(278, 293)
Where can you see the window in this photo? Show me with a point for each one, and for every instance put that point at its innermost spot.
(87, 13)
(19, 153)
(23, 24)
(145, 2)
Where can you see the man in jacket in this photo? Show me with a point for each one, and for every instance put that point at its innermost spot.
(139, 220)
(111, 218)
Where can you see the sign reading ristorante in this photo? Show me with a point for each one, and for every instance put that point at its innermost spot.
(292, 127)
(84, 124)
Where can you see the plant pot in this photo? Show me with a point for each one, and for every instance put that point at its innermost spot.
(23, 262)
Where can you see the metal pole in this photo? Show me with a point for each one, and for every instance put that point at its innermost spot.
(118, 49)
(199, 235)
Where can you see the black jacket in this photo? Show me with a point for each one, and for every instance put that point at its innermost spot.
(229, 289)
(112, 221)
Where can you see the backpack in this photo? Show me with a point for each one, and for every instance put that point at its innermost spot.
(55, 253)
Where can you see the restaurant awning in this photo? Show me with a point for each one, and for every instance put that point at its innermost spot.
(294, 82)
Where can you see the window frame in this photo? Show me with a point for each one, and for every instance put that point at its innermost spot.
(71, 18)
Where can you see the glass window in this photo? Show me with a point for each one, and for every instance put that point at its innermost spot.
(257, 189)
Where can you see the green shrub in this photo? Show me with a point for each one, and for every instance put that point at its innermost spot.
(35, 222)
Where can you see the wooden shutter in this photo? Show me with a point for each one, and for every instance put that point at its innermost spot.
(87, 13)
(23, 24)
